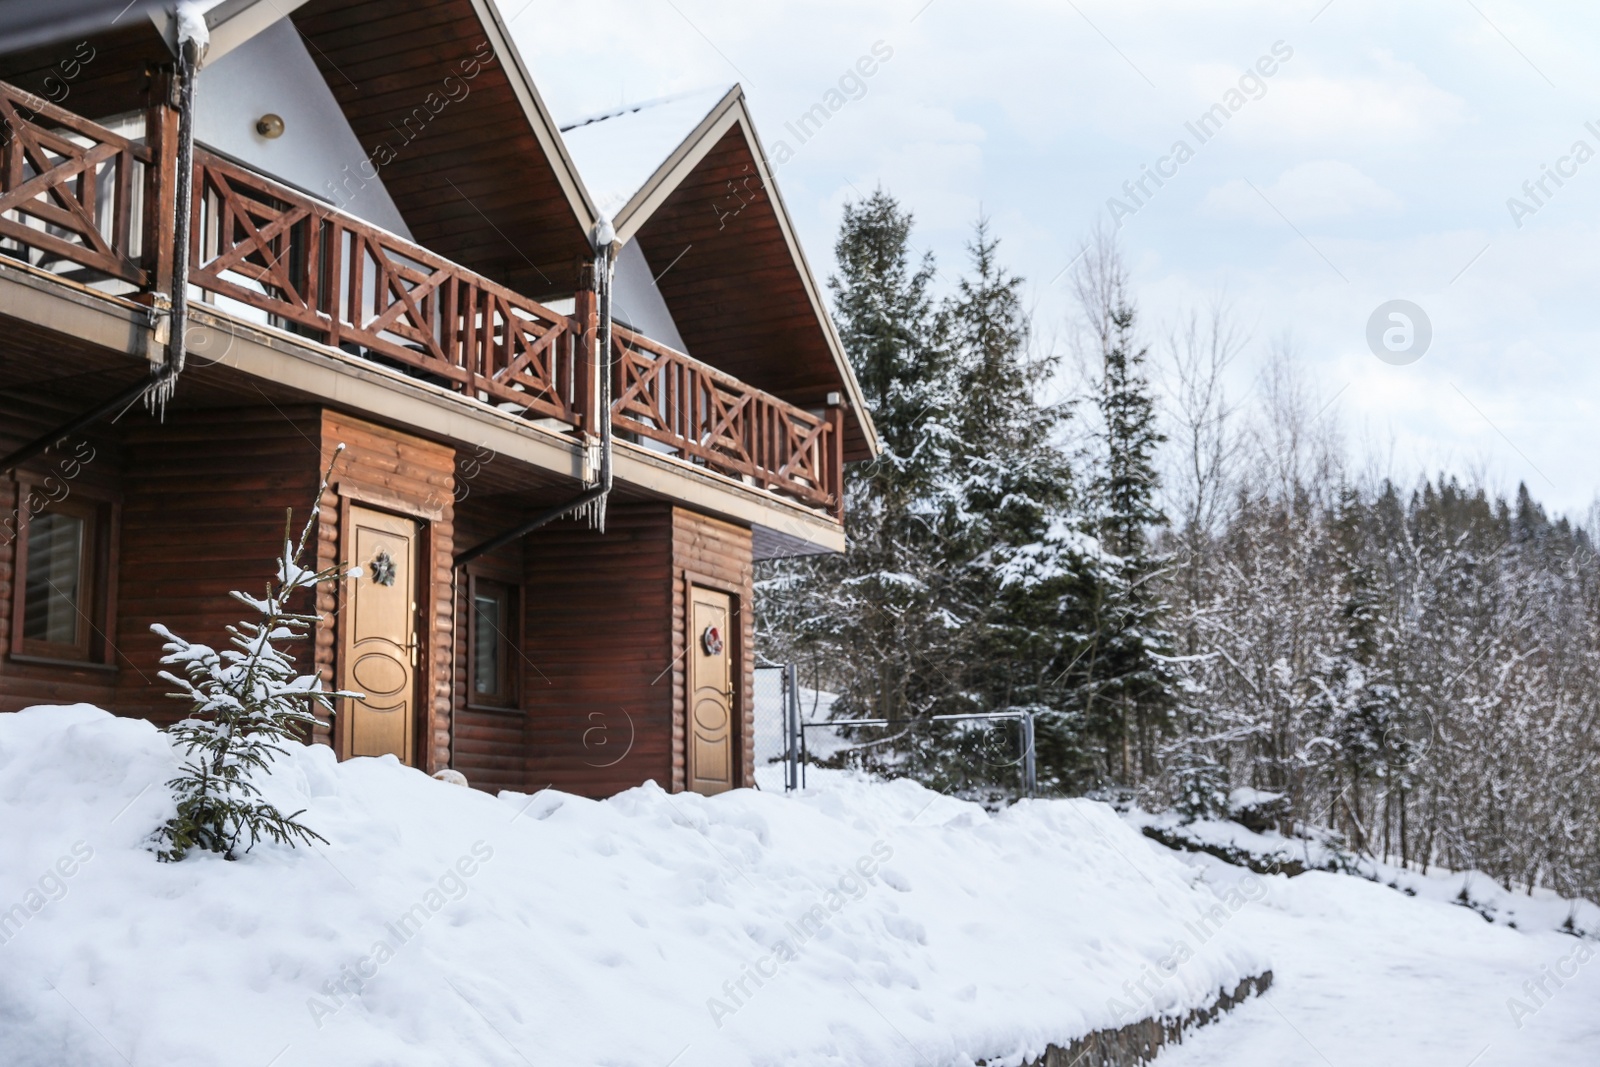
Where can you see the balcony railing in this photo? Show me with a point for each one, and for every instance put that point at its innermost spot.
(80, 200)
(715, 420)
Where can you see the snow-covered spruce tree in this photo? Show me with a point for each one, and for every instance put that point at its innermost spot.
(1123, 671)
(243, 701)
(1357, 715)
(1199, 784)
(879, 625)
(1023, 569)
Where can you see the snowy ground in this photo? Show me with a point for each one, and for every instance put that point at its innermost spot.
(1517, 909)
(863, 923)
(1364, 974)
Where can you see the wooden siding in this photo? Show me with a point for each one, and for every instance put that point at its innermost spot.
(400, 473)
(717, 555)
(603, 653)
(104, 74)
(598, 639)
(603, 640)
(25, 684)
(205, 496)
(490, 744)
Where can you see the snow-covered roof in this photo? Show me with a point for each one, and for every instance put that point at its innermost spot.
(618, 151)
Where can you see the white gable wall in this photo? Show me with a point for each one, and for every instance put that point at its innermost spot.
(637, 302)
(273, 72)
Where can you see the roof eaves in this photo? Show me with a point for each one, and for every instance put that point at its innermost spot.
(847, 374)
(539, 117)
(229, 24)
(677, 166)
(729, 111)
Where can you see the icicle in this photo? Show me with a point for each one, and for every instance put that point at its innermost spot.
(158, 394)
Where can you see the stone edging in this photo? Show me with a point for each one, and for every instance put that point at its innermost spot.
(1139, 1042)
(1236, 856)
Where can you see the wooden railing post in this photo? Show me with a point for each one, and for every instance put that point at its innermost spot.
(833, 461)
(587, 361)
(161, 183)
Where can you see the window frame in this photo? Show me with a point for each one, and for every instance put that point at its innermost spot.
(94, 647)
(508, 698)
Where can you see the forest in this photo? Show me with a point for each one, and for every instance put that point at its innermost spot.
(1191, 589)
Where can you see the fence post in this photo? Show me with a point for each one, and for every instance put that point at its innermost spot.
(791, 708)
(1030, 770)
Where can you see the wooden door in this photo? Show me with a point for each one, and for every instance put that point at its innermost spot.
(710, 736)
(378, 635)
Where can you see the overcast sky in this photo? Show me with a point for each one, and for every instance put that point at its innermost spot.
(1375, 163)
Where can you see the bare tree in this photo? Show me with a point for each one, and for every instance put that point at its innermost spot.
(1199, 351)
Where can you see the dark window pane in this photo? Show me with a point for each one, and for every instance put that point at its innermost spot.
(486, 645)
(53, 596)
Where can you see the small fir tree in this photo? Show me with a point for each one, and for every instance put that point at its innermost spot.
(245, 700)
(1200, 785)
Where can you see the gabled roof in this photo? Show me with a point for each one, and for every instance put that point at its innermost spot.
(484, 178)
(720, 243)
(618, 151)
(488, 182)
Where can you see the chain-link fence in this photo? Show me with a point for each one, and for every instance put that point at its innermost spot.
(993, 750)
(985, 756)
(776, 750)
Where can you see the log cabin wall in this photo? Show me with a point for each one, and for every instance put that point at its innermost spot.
(203, 514)
(717, 555)
(602, 677)
(602, 643)
(87, 465)
(489, 744)
(599, 653)
(407, 475)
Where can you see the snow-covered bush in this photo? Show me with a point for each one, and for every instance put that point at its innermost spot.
(1202, 786)
(1257, 810)
(244, 700)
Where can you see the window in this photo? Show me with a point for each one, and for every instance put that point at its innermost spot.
(58, 567)
(493, 645)
(60, 606)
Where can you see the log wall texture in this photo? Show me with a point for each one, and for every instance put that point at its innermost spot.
(99, 476)
(205, 498)
(599, 653)
(396, 472)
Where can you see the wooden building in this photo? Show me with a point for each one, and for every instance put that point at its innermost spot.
(391, 248)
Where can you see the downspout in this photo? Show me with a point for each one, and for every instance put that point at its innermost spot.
(193, 39)
(157, 389)
(601, 239)
(593, 499)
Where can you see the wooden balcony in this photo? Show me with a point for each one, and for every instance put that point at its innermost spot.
(87, 203)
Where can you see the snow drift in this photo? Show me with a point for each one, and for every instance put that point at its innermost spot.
(859, 923)
(1538, 910)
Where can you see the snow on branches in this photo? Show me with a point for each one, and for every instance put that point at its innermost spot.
(243, 701)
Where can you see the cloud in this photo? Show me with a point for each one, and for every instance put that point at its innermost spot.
(1388, 104)
(1310, 192)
